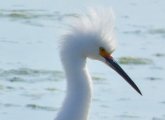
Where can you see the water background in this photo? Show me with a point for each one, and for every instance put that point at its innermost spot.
(32, 82)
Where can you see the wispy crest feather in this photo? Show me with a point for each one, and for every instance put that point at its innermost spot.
(98, 21)
(96, 27)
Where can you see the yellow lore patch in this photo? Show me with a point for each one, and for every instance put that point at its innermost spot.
(103, 52)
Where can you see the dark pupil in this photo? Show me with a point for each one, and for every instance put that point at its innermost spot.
(102, 49)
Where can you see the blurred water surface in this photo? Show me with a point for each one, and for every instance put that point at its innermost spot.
(32, 82)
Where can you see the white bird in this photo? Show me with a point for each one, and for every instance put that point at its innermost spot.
(91, 36)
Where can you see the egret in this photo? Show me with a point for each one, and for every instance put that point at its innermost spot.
(91, 36)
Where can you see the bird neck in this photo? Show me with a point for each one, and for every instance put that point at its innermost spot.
(79, 90)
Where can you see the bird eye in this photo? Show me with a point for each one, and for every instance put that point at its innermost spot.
(102, 49)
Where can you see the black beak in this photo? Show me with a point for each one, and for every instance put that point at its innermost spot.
(114, 65)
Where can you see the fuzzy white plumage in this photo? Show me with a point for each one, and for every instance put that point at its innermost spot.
(91, 36)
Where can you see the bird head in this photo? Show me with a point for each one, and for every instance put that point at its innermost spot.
(92, 36)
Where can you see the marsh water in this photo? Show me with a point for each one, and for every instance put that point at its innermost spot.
(32, 81)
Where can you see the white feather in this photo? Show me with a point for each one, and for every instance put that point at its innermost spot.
(91, 31)
(87, 34)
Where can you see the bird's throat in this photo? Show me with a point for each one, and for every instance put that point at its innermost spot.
(79, 90)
